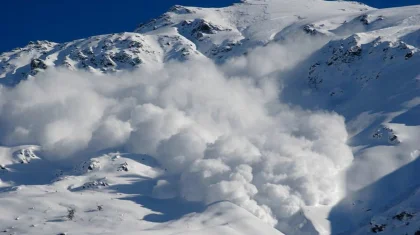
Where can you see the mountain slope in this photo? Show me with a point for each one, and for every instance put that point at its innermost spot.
(189, 138)
(181, 33)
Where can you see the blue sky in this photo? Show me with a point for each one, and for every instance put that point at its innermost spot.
(389, 3)
(59, 21)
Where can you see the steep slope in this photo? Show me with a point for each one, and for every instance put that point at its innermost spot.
(105, 53)
(177, 35)
(344, 57)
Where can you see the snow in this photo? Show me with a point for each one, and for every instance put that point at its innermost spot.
(119, 200)
(267, 116)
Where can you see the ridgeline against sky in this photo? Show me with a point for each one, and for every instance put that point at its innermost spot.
(61, 21)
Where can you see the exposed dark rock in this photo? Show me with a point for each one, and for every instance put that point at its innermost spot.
(310, 29)
(123, 167)
(180, 10)
(376, 228)
(107, 61)
(403, 216)
(365, 19)
(409, 55)
(94, 184)
(199, 28)
(135, 44)
(38, 64)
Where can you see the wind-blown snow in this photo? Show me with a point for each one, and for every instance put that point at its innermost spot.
(226, 137)
(256, 104)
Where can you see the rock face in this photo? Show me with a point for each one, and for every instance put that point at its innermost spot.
(348, 58)
(199, 28)
(101, 54)
(25, 155)
(38, 64)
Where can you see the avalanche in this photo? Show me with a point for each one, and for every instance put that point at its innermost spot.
(262, 117)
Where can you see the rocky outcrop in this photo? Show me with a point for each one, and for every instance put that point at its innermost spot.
(38, 64)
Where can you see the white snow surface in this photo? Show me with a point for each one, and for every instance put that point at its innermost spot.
(268, 116)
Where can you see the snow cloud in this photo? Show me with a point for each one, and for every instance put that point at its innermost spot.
(221, 129)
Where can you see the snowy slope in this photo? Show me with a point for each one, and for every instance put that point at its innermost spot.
(110, 194)
(216, 152)
(179, 34)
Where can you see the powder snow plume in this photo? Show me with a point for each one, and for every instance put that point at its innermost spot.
(221, 131)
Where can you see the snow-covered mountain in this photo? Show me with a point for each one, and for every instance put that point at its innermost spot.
(268, 116)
